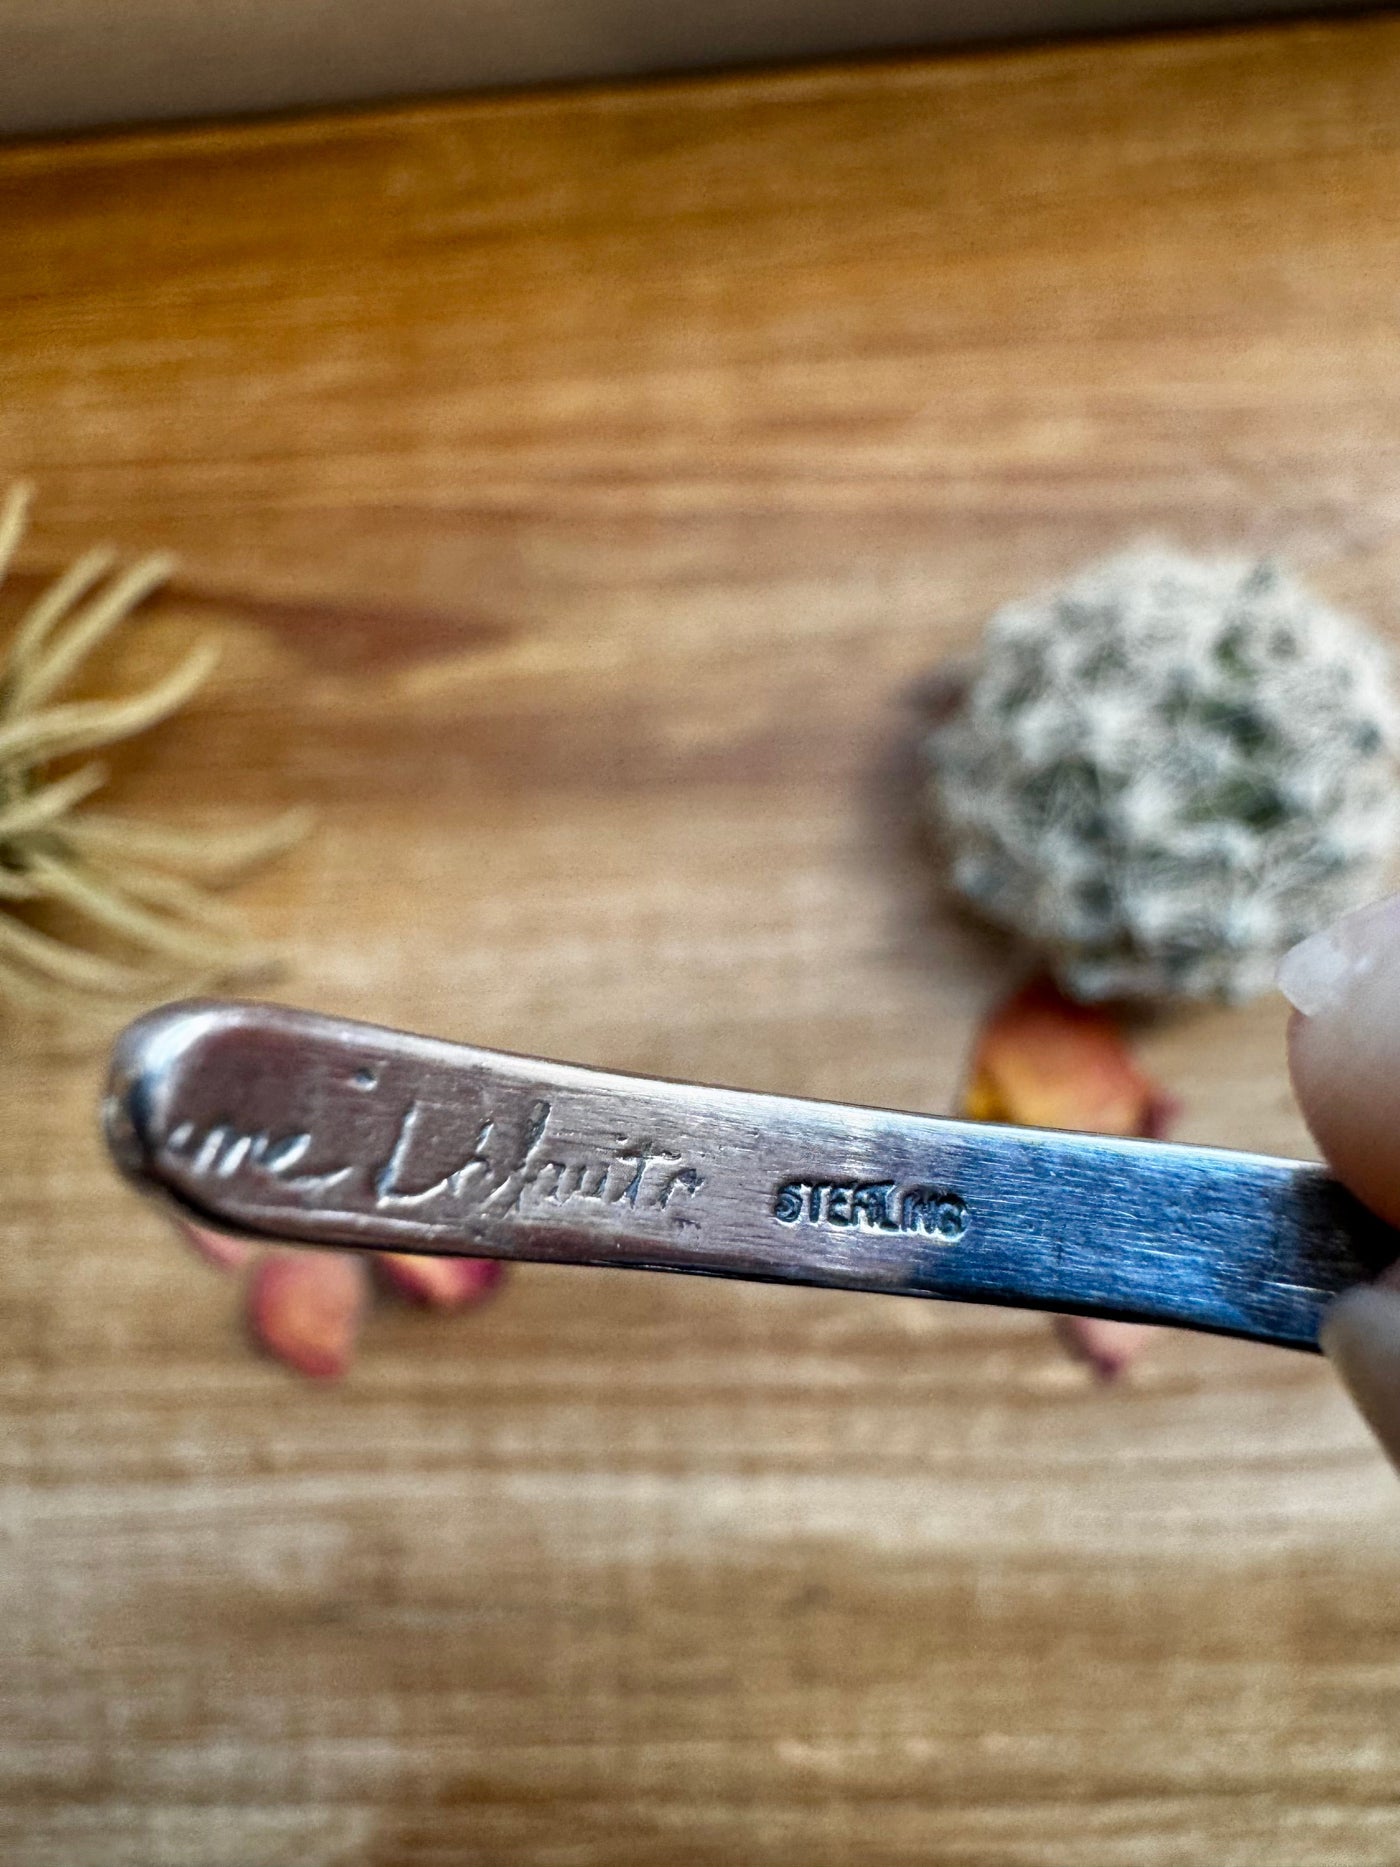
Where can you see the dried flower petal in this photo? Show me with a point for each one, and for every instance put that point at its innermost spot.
(437, 1282)
(1044, 1062)
(1103, 1344)
(305, 1308)
(216, 1248)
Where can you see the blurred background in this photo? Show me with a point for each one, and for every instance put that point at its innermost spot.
(68, 63)
(581, 486)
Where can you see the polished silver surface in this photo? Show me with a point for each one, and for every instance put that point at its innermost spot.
(281, 1124)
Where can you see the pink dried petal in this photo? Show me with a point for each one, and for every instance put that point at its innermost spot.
(216, 1248)
(1106, 1346)
(305, 1307)
(440, 1283)
(1161, 1115)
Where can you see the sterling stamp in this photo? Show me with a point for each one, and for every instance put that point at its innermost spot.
(872, 1205)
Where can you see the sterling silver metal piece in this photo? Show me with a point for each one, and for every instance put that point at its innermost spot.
(280, 1124)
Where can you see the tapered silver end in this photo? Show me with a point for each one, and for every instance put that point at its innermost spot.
(149, 1061)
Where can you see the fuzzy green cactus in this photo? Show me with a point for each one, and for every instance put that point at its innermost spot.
(1165, 773)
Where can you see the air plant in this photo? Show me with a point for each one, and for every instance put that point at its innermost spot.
(144, 891)
(141, 888)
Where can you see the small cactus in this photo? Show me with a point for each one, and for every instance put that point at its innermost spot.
(1165, 773)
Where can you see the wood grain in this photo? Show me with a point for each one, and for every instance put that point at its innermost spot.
(582, 486)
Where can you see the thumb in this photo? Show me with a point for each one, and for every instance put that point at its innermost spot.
(1344, 1056)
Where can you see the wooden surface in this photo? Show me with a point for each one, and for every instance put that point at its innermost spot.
(581, 487)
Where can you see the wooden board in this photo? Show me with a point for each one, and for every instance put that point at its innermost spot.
(582, 486)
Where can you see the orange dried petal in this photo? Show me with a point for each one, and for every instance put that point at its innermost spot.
(437, 1282)
(1104, 1344)
(1044, 1062)
(305, 1307)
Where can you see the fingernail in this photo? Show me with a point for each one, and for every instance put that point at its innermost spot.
(1361, 1338)
(1321, 972)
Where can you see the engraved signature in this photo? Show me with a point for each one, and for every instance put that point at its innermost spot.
(542, 1167)
(526, 1167)
(225, 1150)
(872, 1206)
